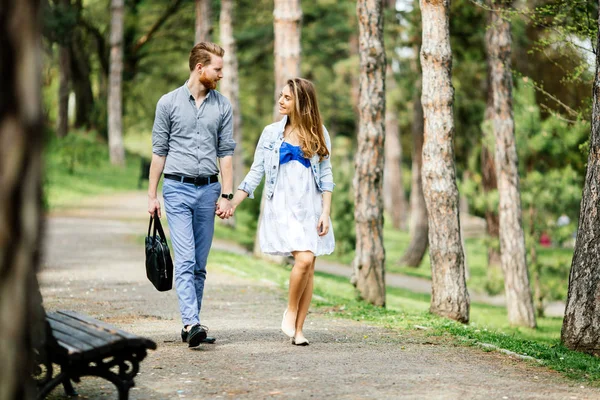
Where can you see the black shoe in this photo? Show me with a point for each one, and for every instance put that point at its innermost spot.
(196, 335)
(208, 339)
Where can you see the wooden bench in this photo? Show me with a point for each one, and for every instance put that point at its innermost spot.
(83, 346)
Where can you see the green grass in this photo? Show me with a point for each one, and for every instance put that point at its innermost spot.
(555, 262)
(406, 309)
(78, 166)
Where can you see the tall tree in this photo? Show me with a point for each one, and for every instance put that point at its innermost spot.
(115, 107)
(394, 200)
(369, 261)
(418, 226)
(519, 302)
(64, 71)
(449, 296)
(21, 130)
(581, 324)
(488, 177)
(230, 85)
(287, 15)
(286, 24)
(203, 21)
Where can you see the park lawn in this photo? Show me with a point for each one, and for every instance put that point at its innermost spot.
(78, 166)
(406, 309)
(556, 262)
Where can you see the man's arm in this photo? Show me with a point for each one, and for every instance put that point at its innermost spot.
(156, 168)
(224, 209)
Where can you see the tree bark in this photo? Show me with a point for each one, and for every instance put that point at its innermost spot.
(519, 302)
(230, 88)
(286, 24)
(394, 199)
(488, 167)
(115, 108)
(82, 86)
(449, 292)
(369, 261)
(64, 70)
(21, 135)
(203, 21)
(581, 324)
(419, 225)
(287, 15)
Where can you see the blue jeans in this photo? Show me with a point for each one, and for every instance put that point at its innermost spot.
(191, 216)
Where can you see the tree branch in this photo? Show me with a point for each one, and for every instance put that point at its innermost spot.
(163, 18)
(100, 44)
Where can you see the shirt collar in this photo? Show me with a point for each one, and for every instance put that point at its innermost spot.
(189, 94)
(281, 125)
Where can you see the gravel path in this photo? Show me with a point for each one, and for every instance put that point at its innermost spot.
(94, 264)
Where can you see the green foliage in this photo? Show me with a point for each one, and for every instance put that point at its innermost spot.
(343, 198)
(78, 150)
(78, 166)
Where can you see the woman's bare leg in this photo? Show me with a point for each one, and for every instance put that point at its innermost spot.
(304, 305)
(303, 264)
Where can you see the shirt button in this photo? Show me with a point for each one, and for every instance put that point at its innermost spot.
(274, 166)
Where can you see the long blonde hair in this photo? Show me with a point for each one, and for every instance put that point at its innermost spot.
(306, 118)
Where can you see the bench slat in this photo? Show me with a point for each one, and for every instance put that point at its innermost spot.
(110, 328)
(133, 340)
(88, 329)
(74, 347)
(81, 333)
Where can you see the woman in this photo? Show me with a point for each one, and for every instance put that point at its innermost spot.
(293, 154)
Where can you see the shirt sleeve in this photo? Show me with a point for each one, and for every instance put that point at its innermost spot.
(226, 144)
(162, 128)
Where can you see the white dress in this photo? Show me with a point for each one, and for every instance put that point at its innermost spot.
(291, 215)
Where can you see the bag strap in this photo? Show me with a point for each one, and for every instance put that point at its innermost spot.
(150, 224)
(158, 225)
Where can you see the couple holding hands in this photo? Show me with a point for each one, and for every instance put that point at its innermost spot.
(193, 127)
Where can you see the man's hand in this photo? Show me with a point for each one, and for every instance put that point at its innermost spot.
(224, 208)
(154, 206)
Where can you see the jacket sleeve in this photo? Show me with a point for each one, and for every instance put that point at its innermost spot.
(257, 170)
(326, 177)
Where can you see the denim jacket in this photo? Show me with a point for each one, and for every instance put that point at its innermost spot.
(266, 162)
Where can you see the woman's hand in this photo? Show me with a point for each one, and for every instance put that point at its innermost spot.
(323, 225)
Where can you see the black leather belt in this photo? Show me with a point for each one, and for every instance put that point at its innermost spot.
(198, 180)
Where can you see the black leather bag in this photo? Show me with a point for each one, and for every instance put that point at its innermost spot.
(159, 266)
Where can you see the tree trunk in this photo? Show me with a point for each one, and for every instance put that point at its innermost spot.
(230, 89)
(394, 199)
(20, 205)
(369, 261)
(519, 302)
(64, 68)
(488, 168)
(115, 109)
(203, 21)
(449, 296)
(82, 86)
(286, 24)
(581, 325)
(419, 226)
(230, 85)
(287, 15)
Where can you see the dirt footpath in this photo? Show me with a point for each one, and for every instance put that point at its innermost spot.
(94, 264)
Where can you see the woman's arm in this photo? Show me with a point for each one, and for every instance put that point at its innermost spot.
(323, 225)
(257, 170)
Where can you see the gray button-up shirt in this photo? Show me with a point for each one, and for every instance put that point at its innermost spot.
(192, 138)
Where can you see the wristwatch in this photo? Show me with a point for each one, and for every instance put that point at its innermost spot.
(227, 196)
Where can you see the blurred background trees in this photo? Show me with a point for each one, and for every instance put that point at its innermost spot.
(552, 64)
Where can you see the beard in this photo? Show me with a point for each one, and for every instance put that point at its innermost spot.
(208, 83)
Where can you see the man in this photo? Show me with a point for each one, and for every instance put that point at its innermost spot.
(193, 127)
